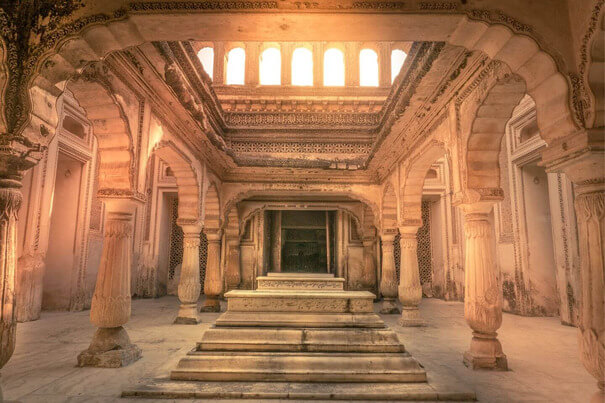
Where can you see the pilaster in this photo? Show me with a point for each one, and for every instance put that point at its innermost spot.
(213, 285)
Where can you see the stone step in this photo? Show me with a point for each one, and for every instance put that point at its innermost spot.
(298, 367)
(300, 340)
(309, 320)
(163, 388)
(307, 275)
(309, 283)
(300, 301)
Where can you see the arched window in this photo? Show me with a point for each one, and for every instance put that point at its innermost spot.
(397, 60)
(334, 68)
(368, 68)
(206, 56)
(236, 66)
(270, 67)
(302, 67)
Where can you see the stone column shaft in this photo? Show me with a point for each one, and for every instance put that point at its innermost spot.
(369, 264)
(218, 70)
(189, 281)
(252, 64)
(110, 308)
(233, 275)
(213, 285)
(388, 280)
(483, 293)
(10, 202)
(384, 65)
(410, 290)
(590, 213)
(286, 64)
(318, 64)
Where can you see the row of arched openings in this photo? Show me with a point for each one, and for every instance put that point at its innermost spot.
(270, 65)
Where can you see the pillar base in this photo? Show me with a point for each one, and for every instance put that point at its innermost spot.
(389, 306)
(410, 317)
(485, 353)
(187, 315)
(211, 304)
(109, 348)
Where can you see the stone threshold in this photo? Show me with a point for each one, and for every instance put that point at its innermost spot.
(164, 388)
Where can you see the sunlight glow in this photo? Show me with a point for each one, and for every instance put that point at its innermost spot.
(302, 67)
(270, 67)
(368, 68)
(236, 66)
(206, 56)
(397, 60)
(334, 68)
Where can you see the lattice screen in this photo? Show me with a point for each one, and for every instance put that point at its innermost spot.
(424, 245)
(176, 245)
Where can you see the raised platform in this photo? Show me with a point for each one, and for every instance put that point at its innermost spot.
(304, 329)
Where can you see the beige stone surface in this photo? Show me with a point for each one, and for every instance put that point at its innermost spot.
(542, 355)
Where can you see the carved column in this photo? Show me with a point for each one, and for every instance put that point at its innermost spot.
(233, 275)
(369, 264)
(388, 280)
(10, 202)
(410, 291)
(582, 158)
(110, 309)
(213, 285)
(286, 63)
(351, 64)
(483, 293)
(189, 281)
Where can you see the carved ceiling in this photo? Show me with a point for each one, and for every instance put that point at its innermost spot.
(340, 133)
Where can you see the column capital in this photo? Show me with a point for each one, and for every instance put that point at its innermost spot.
(191, 228)
(408, 231)
(213, 235)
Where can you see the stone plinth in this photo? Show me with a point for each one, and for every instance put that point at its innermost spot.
(299, 281)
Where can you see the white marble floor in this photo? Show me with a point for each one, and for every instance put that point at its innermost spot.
(543, 355)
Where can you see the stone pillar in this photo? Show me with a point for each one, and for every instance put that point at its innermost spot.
(482, 290)
(233, 275)
(352, 64)
(369, 263)
(10, 202)
(410, 291)
(252, 63)
(384, 64)
(110, 346)
(286, 63)
(318, 64)
(388, 280)
(218, 70)
(213, 285)
(189, 281)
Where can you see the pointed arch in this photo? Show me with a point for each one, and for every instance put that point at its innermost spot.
(110, 127)
(413, 182)
(187, 181)
(487, 130)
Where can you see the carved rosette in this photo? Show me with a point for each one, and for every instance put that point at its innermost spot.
(388, 282)
(590, 211)
(483, 297)
(111, 300)
(410, 291)
(189, 282)
(232, 269)
(10, 202)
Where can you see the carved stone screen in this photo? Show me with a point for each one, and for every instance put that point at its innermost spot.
(424, 245)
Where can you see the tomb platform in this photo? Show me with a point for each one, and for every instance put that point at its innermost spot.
(299, 330)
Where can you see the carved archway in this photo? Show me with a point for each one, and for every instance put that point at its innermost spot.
(596, 71)
(110, 127)
(487, 129)
(188, 185)
(413, 182)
